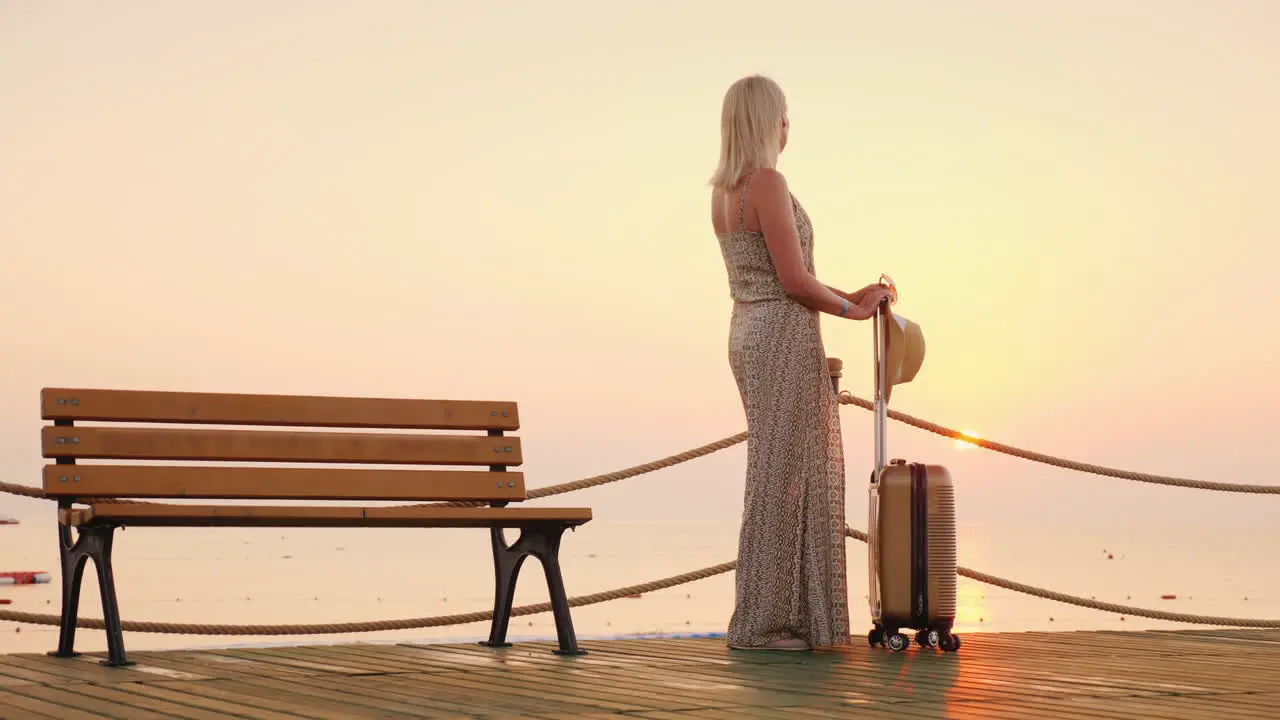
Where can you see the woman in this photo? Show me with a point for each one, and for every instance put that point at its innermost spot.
(791, 587)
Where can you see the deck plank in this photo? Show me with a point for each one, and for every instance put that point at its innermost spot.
(22, 706)
(116, 697)
(1107, 675)
(367, 698)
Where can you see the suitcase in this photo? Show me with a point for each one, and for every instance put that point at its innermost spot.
(911, 535)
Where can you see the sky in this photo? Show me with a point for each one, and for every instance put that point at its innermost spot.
(490, 200)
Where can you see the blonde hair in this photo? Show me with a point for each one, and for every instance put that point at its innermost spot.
(750, 129)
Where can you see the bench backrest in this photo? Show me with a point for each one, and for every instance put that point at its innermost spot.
(282, 436)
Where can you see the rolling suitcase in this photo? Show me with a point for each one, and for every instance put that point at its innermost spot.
(911, 530)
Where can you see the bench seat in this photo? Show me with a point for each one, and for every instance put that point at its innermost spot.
(125, 514)
(267, 448)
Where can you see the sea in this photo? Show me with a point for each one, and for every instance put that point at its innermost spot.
(305, 576)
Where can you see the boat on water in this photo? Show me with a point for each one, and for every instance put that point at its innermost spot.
(25, 577)
(7, 520)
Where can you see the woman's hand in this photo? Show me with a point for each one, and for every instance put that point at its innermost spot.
(863, 303)
(857, 295)
(872, 296)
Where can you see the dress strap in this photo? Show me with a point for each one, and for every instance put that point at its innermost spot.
(742, 203)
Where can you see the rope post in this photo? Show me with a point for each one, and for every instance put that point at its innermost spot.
(835, 367)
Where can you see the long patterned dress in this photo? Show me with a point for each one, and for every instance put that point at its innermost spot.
(791, 575)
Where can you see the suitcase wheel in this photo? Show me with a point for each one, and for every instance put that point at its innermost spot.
(928, 638)
(898, 642)
(875, 637)
(949, 643)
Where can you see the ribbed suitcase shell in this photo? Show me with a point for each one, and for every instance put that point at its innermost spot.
(894, 548)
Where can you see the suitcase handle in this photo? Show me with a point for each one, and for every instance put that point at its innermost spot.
(880, 341)
(888, 282)
(880, 348)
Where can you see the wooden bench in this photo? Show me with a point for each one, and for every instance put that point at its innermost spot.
(96, 485)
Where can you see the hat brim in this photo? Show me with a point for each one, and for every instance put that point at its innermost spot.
(905, 351)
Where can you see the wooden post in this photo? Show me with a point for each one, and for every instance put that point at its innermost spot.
(835, 366)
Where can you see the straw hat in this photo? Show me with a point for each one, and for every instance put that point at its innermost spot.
(905, 351)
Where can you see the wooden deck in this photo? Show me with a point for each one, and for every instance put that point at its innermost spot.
(1201, 674)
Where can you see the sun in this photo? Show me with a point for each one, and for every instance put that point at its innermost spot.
(963, 445)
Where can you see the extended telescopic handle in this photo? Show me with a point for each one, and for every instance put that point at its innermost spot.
(880, 337)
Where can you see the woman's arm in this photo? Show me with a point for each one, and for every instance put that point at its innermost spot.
(855, 297)
(851, 297)
(772, 201)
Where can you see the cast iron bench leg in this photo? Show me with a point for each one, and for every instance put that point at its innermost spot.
(93, 543)
(543, 542)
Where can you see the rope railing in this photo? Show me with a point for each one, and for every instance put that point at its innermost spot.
(845, 397)
(1092, 604)
(850, 399)
(581, 600)
(615, 476)
(371, 625)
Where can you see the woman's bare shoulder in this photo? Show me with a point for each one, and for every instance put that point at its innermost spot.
(768, 180)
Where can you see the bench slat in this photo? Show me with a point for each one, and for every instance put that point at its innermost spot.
(296, 410)
(259, 483)
(115, 443)
(297, 516)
